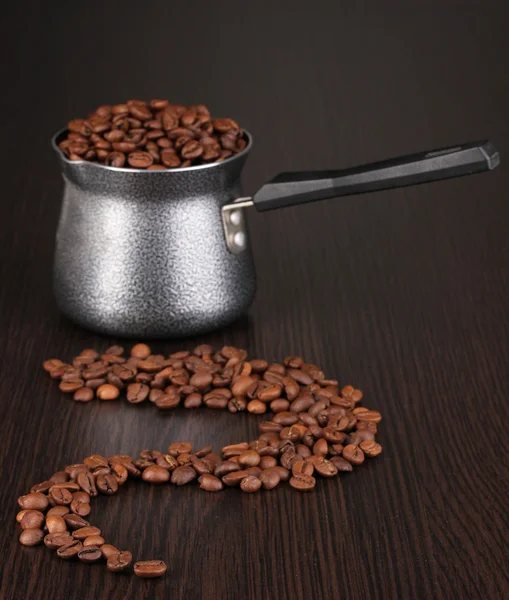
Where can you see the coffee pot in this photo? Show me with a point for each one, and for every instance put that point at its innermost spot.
(162, 254)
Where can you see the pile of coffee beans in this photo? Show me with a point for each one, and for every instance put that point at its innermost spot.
(153, 135)
(317, 429)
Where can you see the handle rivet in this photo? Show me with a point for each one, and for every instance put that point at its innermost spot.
(239, 239)
(235, 217)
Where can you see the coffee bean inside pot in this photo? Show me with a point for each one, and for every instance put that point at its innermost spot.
(153, 135)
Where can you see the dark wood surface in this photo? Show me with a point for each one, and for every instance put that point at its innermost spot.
(403, 293)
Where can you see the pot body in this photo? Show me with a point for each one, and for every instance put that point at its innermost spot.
(142, 254)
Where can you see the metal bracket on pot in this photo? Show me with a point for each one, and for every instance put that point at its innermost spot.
(234, 224)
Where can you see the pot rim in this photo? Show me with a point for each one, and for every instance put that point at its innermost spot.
(91, 164)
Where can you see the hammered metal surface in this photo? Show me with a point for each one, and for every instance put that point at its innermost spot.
(142, 253)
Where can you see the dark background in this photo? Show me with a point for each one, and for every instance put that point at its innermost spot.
(402, 293)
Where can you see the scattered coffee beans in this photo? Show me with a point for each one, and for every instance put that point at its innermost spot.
(153, 135)
(317, 430)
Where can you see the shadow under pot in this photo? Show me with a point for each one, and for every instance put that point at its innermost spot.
(161, 254)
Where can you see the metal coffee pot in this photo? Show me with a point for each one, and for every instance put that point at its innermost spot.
(159, 254)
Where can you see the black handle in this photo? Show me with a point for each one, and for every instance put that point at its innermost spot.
(288, 189)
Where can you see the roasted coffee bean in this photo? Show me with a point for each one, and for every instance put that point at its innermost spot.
(93, 540)
(54, 541)
(325, 468)
(34, 501)
(226, 467)
(137, 392)
(90, 554)
(320, 448)
(107, 392)
(119, 472)
(42, 487)
(106, 484)
(71, 486)
(270, 478)
(353, 454)
(370, 448)
(179, 448)
(237, 404)
(31, 537)
(55, 524)
(258, 365)
(283, 473)
(302, 404)
(84, 394)
(267, 461)
(81, 497)
(210, 483)
(302, 467)
(70, 386)
(141, 351)
(84, 532)
(183, 475)
(117, 561)
(257, 407)
(87, 483)
(254, 471)
(234, 449)
(303, 483)
(249, 458)
(59, 511)
(74, 521)
(149, 569)
(250, 484)
(70, 550)
(234, 478)
(80, 508)
(32, 519)
(59, 477)
(155, 474)
(108, 550)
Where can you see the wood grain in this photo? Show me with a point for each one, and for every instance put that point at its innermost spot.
(402, 293)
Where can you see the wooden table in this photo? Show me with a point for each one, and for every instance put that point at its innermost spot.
(402, 293)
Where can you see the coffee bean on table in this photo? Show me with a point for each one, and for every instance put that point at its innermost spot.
(210, 483)
(107, 392)
(31, 537)
(108, 550)
(117, 561)
(107, 484)
(55, 524)
(84, 394)
(149, 568)
(34, 501)
(353, 454)
(70, 550)
(32, 519)
(137, 392)
(155, 474)
(93, 540)
(53, 541)
(270, 478)
(84, 532)
(303, 483)
(183, 475)
(90, 554)
(75, 521)
(250, 484)
(315, 426)
(59, 511)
